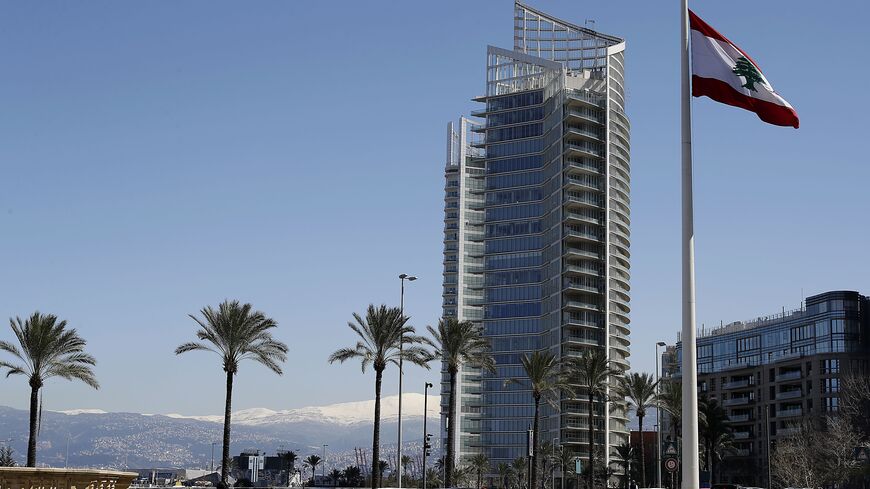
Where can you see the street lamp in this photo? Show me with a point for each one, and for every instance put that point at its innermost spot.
(658, 422)
(426, 435)
(402, 278)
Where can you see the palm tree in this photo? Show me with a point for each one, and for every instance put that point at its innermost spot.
(312, 461)
(504, 473)
(640, 391)
(335, 475)
(670, 400)
(406, 462)
(433, 477)
(384, 338)
(48, 350)
(591, 372)
(236, 332)
(715, 432)
(546, 381)
(289, 459)
(518, 470)
(458, 343)
(352, 475)
(625, 452)
(479, 464)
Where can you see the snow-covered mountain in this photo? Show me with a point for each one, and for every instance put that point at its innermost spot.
(345, 413)
(103, 439)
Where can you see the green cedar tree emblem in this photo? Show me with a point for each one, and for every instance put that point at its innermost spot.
(747, 70)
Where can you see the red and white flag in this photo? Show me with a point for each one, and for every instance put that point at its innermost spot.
(723, 72)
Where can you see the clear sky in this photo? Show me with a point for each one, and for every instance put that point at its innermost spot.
(157, 157)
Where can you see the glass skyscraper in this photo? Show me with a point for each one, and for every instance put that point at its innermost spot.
(536, 230)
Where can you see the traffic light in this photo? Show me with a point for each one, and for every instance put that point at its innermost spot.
(427, 446)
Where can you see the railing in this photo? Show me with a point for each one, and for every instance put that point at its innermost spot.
(736, 401)
(736, 384)
(795, 374)
(789, 394)
(42, 478)
(788, 413)
(787, 431)
(742, 452)
(739, 418)
(741, 435)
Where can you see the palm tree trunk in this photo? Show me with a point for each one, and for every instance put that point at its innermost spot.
(591, 470)
(642, 456)
(376, 435)
(535, 443)
(34, 416)
(228, 412)
(451, 431)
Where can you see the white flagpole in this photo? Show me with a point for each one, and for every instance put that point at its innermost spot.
(691, 476)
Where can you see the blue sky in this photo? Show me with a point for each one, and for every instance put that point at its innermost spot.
(158, 157)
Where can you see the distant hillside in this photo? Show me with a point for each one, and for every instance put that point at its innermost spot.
(100, 439)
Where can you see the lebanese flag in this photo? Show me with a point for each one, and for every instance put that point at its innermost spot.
(726, 74)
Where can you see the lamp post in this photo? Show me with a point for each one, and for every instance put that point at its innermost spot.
(212, 454)
(426, 444)
(323, 467)
(402, 278)
(658, 421)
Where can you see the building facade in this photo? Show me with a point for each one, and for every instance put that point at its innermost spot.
(536, 230)
(772, 373)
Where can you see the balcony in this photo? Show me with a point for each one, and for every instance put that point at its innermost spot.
(793, 375)
(789, 394)
(582, 305)
(787, 431)
(583, 270)
(736, 401)
(739, 418)
(736, 384)
(742, 452)
(790, 413)
(28, 477)
(742, 435)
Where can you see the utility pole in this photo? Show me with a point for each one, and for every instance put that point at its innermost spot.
(426, 435)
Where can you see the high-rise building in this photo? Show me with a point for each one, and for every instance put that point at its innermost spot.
(536, 230)
(775, 372)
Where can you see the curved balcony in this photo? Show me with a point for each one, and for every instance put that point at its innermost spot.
(582, 270)
(582, 200)
(575, 232)
(584, 134)
(583, 151)
(571, 251)
(584, 115)
(584, 166)
(581, 305)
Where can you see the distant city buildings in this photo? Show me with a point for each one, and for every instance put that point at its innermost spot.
(536, 230)
(774, 372)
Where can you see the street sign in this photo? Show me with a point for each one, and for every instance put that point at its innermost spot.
(578, 465)
(671, 464)
(671, 449)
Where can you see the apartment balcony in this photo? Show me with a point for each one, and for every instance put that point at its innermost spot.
(586, 306)
(583, 200)
(583, 270)
(793, 375)
(584, 133)
(586, 98)
(579, 287)
(787, 431)
(742, 435)
(789, 394)
(574, 232)
(586, 166)
(582, 340)
(584, 150)
(588, 115)
(736, 384)
(576, 216)
(790, 413)
(736, 401)
(739, 418)
(742, 452)
(28, 477)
